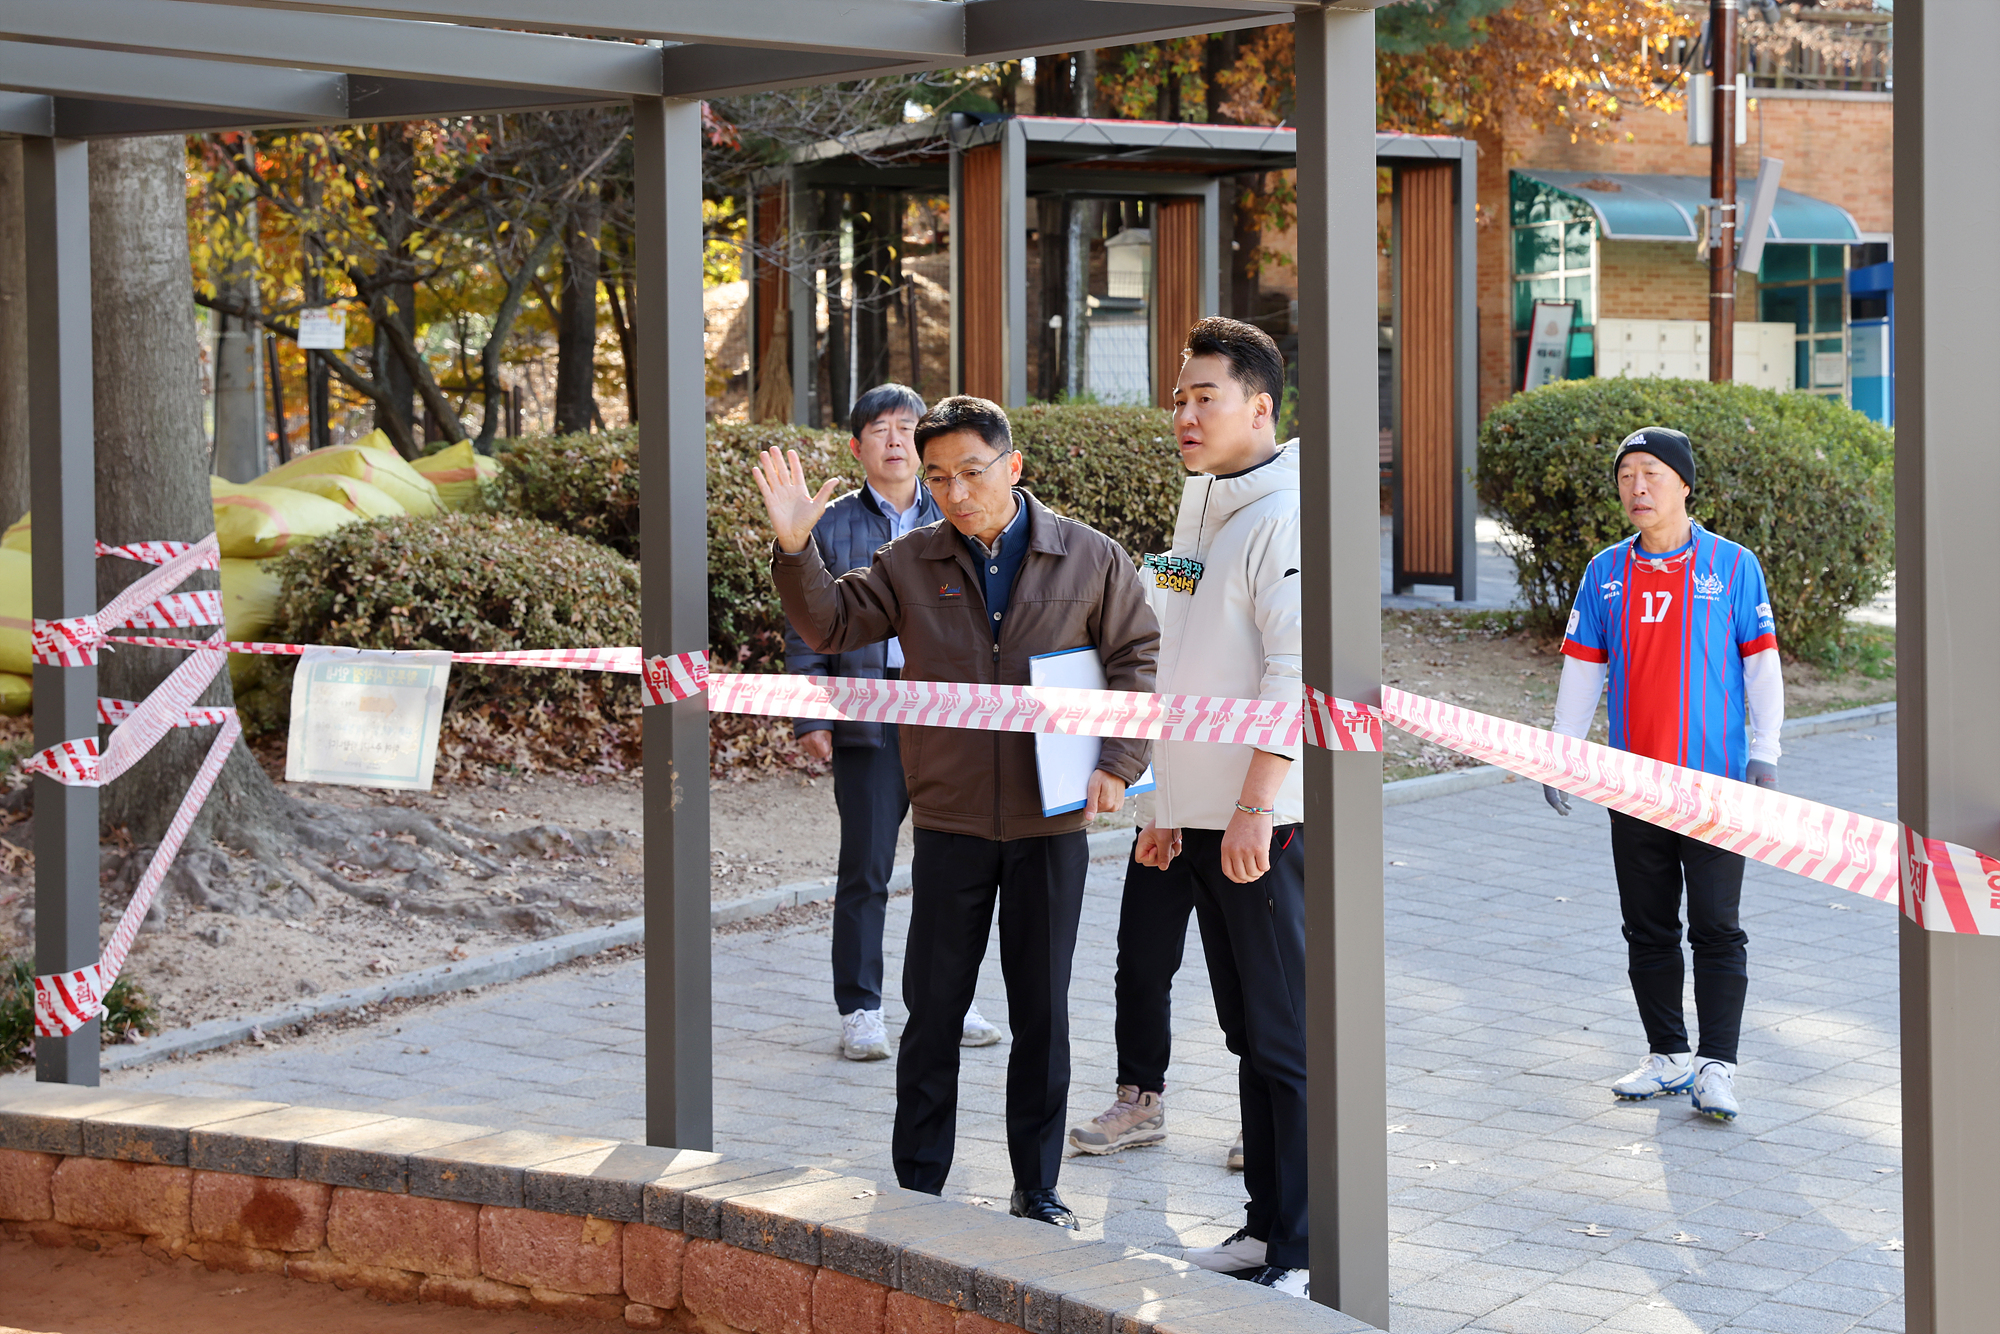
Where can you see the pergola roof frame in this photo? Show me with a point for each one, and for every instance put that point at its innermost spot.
(1948, 637)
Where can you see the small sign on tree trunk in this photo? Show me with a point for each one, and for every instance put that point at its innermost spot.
(323, 327)
(366, 719)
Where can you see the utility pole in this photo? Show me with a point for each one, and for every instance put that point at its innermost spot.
(1722, 191)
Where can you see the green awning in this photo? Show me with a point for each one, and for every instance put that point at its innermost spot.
(1634, 207)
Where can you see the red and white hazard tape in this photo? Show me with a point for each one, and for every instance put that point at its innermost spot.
(146, 553)
(625, 660)
(112, 712)
(148, 602)
(65, 1002)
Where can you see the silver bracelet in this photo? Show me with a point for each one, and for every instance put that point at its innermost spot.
(1256, 810)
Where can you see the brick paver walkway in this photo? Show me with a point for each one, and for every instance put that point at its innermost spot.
(1523, 1198)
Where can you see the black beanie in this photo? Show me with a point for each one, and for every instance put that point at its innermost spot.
(1663, 443)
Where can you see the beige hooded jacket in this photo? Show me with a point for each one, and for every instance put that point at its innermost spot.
(1236, 634)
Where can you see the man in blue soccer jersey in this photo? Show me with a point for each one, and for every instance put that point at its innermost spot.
(1680, 621)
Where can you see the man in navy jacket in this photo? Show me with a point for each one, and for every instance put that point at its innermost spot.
(868, 788)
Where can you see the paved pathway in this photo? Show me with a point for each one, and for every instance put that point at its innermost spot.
(1523, 1198)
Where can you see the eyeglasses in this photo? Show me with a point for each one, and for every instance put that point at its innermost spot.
(942, 485)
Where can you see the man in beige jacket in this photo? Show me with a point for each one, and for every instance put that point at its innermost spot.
(972, 599)
(1226, 843)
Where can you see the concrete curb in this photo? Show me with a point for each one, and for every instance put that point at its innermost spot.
(519, 961)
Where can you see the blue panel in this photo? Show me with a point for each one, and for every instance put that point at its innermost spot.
(1874, 280)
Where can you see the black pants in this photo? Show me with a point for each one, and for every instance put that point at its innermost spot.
(868, 792)
(1152, 938)
(1254, 937)
(956, 879)
(1653, 863)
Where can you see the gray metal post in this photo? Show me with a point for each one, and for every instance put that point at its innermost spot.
(955, 192)
(62, 461)
(1211, 249)
(804, 319)
(1947, 642)
(1465, 363)
(1014, 255)
(673, 460)
(1345, 1011)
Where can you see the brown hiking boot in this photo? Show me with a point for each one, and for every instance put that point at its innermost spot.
(1135, 1119)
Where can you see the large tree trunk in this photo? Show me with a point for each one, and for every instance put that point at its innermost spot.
(13, 337)
(576, 318)
(839, 386)
(152, 463)
(398, 166)
(875, 241)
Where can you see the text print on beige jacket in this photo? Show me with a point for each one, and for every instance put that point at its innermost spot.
(1076, 588)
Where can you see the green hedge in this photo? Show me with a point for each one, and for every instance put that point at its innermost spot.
(1803, 481)
(1113, 468)
(470, 583)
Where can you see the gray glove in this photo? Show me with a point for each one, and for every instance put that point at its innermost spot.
(1557, 798)
(1762, 773)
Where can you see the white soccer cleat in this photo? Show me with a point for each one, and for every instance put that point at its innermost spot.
(1240, 1254)
(862, 1036)
(1660, 1075)
(1715, 1091)
(1291, 1282)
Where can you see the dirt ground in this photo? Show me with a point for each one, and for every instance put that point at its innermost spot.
(561, 852)
(121, 1290)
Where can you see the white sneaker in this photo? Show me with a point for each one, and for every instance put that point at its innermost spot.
(1291, 1282)
(1715, 1090)
(862, 1036)
(1660, 1075)
(1238, 1255)
(979, 1031)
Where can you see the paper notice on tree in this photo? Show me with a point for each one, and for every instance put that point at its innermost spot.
(1063, 762)
(366, 719)
(323, 327)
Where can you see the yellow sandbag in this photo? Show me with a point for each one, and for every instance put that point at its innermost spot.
(457, 471)
(410, 488)
(17, 612)
(249, 598)
(16, 538)
(16, 694)
(377, 440)
(253, 522)
(370, 502)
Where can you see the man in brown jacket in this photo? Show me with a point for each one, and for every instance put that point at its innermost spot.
(1001, 580)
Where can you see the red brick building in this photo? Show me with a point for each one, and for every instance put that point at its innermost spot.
(1836, 147)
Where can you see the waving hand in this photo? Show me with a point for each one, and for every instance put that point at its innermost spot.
(793, 508)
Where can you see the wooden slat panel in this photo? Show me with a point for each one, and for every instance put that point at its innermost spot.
(1177, 283)
(982, 324)
(1424, 255)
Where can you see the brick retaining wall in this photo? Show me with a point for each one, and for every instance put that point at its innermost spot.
(427, 1211)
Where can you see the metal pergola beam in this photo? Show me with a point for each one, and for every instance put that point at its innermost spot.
(673, 601)
(1947, 642)
(253, 90)
(1346, 1005)
(1008, 29)
(62, 454)
(877, 28)
(729, 71)
(344, 43)
(27, 113)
